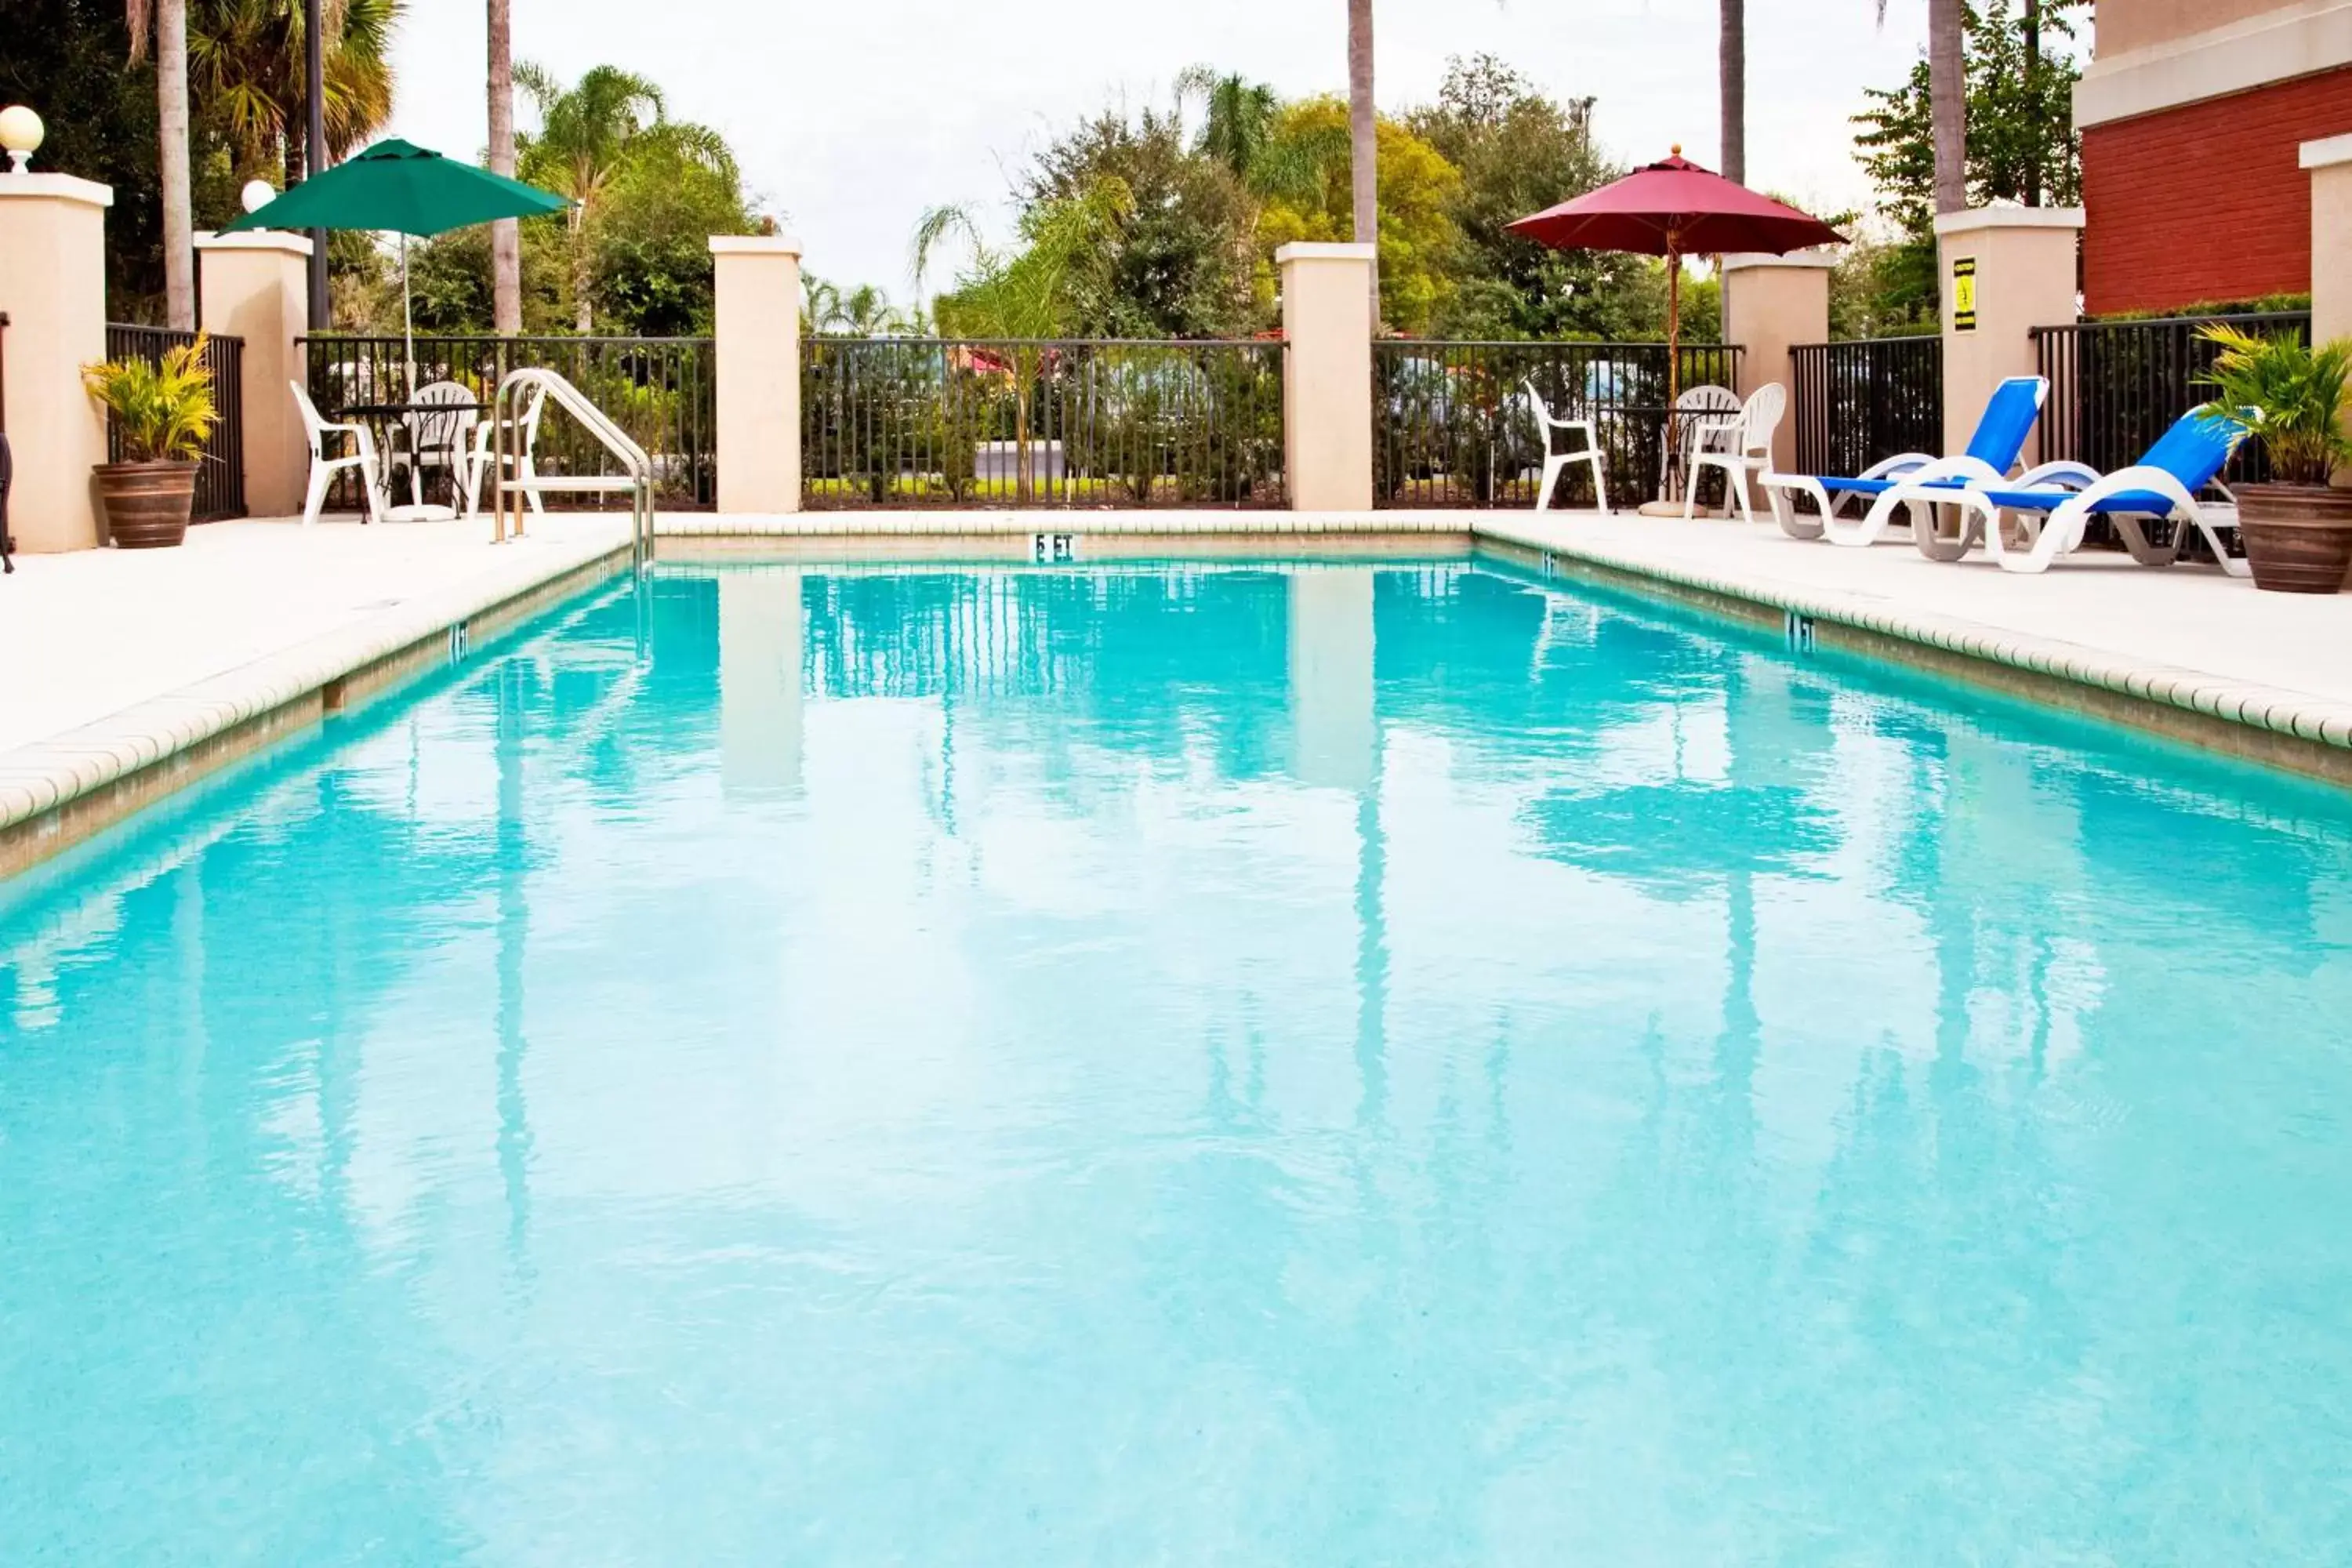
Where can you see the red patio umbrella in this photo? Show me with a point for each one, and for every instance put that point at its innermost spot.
(1673, 209)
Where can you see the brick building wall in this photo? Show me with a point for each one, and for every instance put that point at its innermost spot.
(2206, 200)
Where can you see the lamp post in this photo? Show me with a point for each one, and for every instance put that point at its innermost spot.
(314, 72)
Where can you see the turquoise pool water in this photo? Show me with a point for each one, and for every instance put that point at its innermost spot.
(1183, 1066)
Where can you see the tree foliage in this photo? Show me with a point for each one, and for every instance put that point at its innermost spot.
(2021, 142)
(1168, 266)
(245, 65)
(605, 143)
(1215, 187)
(1517, 153)
(1420, 243)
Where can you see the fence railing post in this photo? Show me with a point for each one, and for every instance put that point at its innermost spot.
(53, 283)
(2004, 272)
(757, 281)
(1326, 379)
(1771, 304)
(257, 287)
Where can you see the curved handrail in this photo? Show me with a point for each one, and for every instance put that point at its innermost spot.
(505, 413)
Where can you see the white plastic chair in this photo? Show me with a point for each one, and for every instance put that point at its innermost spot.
(1739, 448)
(323, 468)
(1555, 462)
(1700, 409)
(438, 440)
(483, 452)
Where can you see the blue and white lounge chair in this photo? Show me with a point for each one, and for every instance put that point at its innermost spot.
(2055, 511)
(1992, 452)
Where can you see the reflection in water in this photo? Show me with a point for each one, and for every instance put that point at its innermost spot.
(1192, 1063)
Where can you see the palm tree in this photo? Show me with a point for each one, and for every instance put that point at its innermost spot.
(1363, 137)
(1238, 132)
(587, 133)
(1948, 86)
(1026, 293)
(168, 21)
(1733, 67)
(505, 236)
(1947, 92)
(864, 312)
(246, 67)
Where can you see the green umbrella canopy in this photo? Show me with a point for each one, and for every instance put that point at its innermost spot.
(401, 189)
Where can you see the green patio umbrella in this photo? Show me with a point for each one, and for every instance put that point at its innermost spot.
(406, 190)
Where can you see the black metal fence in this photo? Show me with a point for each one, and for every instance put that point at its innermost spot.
(1861, 403)
(936, 422)
(2115, 386)
(1451, 426)
(220, 473)
(662, 391)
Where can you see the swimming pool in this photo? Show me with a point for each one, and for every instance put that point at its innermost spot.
(1186, 1064)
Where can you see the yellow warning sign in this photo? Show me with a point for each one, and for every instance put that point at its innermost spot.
(1964, 294)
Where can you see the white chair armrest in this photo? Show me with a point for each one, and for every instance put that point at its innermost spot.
(1901, 463)
(2123, 481)
(1936, 472)
(2064, 473)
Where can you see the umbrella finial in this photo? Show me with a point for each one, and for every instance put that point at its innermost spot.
(1677, 150)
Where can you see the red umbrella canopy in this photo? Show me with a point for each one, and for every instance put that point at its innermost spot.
(1676, 207)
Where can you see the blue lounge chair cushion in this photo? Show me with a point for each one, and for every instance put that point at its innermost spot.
(2007, 421)
(2000, 434)
(2146, 502)
(2194, 451)
(1880, 487)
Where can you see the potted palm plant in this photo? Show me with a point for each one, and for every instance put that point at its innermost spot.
(163, 412)
(2291, 398)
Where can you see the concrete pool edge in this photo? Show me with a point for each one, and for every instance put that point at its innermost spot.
(58, 793)
(2294, 731)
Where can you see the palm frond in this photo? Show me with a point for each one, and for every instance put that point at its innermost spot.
(163, 407)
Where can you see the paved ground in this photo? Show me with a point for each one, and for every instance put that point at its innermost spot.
(86, 635)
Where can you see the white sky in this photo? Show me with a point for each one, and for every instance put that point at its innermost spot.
(852, 116)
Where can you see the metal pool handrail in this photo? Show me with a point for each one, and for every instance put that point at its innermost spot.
(506, 442)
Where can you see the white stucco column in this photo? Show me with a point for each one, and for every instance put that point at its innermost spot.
(255, 287)
(1326, 377)
(2329, 164)
(757, 281)
(53, 290)
(1771, 304)
(2016, 267)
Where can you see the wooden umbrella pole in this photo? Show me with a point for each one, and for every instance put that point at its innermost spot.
(1673, 349)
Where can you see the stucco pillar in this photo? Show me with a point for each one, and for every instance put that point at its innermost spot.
(257, 287)
(2330, 165)
(53, 287)
(2017, 266)
(1771, 304)
(757, 285)
(1326, 377)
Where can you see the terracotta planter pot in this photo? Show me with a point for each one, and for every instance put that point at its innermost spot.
(147, 504)
(2298, 537)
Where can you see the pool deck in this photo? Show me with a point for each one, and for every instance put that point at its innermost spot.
(134, 673)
